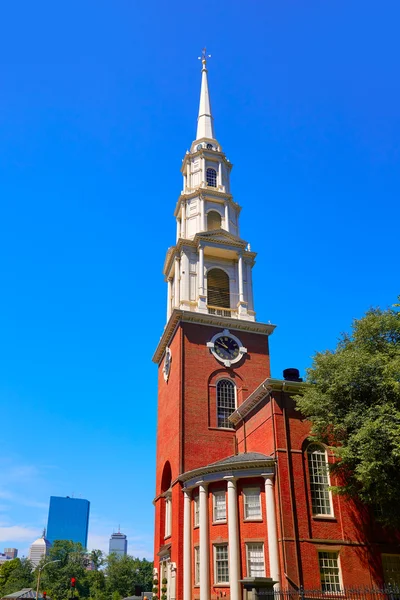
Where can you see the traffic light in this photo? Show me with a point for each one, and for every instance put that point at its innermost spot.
(73, 582)
(44, 595)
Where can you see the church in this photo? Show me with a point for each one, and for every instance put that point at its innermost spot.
(243, 497)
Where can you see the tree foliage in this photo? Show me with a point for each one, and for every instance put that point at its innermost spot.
(14, 575)
(353, 402)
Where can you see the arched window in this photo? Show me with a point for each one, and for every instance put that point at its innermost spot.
(226, 402)
(319, 480)
(213, 220)
(218, 289)
(211, 175)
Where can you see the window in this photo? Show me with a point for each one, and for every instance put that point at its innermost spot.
(218, 289)
(319, 480)
(168, 515)
(255, 560)
(211, 175)
(196, 506)
(213, 220)
(221, 567)
(329, 571)
(219, 505)
(252, 503)
(197, 566)
(391, 569)
(226, 402)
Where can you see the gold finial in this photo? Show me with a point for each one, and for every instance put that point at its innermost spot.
(204, 56)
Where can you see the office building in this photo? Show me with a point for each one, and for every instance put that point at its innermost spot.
(68, 519)
(11, 552)
(38, 549)
(118, 544)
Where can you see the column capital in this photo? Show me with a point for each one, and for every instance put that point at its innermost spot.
(268, 476)
(231, 478)
(187, 491)
(202, 483)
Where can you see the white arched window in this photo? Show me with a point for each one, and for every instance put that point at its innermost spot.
(226, 402)
(319, 480)
(218, 293)
(211, 175)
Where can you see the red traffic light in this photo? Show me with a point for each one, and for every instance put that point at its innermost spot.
(44, 595)
(73, 581)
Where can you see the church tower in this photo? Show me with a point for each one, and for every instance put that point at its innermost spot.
(211, 356)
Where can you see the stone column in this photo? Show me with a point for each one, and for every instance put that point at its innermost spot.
(188, 176)
(203, 171)
(177, 282)
(169, 297)
(202, 215)
(183, 219)
(185, 274)
(240, 277)
(234, 573)
(187, 546)
(226, 216)
(271, 528)
(178, 229)
(220, 175)
(204, 541)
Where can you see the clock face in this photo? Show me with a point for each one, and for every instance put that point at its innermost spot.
(226, 348)
(167, 364)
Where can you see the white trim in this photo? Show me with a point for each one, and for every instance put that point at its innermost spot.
(337, 554)
(196, 561)
(167, 516)
(216, 399)
(224, 544)
(323, 451)
(196, 511)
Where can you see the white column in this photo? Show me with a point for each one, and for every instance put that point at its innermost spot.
(226, 216)
(272, 532)
(240, 277)
(177, 282)
(184, 182)
(169, 283)
(234, 574)
(187, 543)
(204, 541)
(203, 171)
(178, 229)
(188, 177)
(184, 277)
(183, 220)
(201, 270)
(202, 215)
(220, 175)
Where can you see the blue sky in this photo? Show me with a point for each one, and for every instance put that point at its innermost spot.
(98, 104)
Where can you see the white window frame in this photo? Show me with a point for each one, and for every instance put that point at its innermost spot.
(246, 491)
(312, 483)
(385, 557)
(216, 582)
(196, 570)
(196, 511)
(216, 400)
(248, 546)
(334, 555)
(168, 515)
(218, 494)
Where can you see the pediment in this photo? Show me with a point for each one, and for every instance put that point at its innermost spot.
(220, 236)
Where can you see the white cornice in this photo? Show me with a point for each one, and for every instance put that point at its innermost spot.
(217, 472)
(262, 391)
(209, 320)
(207, 193)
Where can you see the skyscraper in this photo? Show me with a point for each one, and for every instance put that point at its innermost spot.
(118, 544)
(38, 549)
(68, 519)
(11, 552)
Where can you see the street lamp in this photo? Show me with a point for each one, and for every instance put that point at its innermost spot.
(39, 572)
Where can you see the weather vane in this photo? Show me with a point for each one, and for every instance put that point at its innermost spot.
(204, 56)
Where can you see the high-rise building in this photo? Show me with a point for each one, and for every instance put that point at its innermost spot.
(11, 552)
(243, 498)
(68, 519)
(118, 544)
(38, 549)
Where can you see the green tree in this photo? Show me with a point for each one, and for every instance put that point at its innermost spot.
(56, 577)
(353, 402)
(15, 575)
(125, 572)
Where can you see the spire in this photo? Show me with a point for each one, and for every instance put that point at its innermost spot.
(205, 127)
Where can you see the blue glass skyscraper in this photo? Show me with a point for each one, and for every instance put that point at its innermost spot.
(68, 520)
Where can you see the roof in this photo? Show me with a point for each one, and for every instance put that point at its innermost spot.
(242, 457)
(24, 593)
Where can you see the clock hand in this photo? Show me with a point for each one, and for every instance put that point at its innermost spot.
(224, 345)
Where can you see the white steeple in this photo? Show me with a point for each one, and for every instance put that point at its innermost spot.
(209, 270)
(205, 125)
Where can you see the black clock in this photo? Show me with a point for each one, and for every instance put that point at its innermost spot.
(226, 348)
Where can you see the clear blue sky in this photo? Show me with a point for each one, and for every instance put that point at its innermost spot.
(98, 104)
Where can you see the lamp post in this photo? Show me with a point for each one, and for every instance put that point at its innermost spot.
(39, 572)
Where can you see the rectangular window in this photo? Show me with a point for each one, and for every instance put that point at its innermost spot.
(221, 567)
(255, 560)
(319, 480)
(196, 507)
(329, 571)
(219, 500)
(167, 516)
(197, 566)
(391, 569)
(252, 503)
